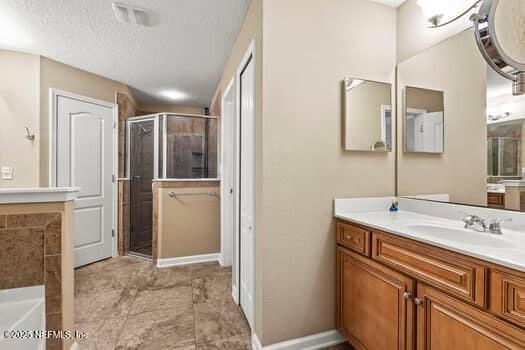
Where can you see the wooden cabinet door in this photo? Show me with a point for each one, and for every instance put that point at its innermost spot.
(444, 323)
(372, 311)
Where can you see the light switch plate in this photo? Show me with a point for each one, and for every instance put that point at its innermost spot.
(7, 172)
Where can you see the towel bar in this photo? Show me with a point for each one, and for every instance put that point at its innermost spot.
(212, 193)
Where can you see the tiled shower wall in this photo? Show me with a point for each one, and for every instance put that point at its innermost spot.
(123, 216)
(31, 255)
(126, 109)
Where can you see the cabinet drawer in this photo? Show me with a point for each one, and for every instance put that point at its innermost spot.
(496, 199)
(507, 297)
(444, 270)
(353, 237)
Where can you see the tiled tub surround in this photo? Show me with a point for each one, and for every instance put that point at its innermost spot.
(30, 255)
(36, 248)
(505, 250)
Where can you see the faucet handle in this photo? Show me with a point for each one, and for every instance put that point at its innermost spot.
(495, 225)
(469, 219)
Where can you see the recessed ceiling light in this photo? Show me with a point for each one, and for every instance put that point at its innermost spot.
(174, 95)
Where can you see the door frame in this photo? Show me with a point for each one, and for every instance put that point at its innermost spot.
(53, 149)
(226, 257)
(249, 56)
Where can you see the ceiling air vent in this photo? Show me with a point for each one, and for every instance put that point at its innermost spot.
(130, 14)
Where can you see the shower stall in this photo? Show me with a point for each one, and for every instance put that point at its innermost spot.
(164, 146)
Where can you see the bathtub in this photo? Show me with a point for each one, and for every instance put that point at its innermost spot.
(22, 309)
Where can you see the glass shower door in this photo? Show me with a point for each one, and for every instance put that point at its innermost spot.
(142, 165)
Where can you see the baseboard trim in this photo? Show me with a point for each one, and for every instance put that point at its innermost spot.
(311, 342)
(234, 295)
(185, 260)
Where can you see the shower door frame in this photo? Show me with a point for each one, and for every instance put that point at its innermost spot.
(163, 174)
(165, 146)
(135, 120)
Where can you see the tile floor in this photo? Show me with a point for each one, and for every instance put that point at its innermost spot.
(127, 303)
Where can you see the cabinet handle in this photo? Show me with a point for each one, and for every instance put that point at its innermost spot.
(418, 301)
(407, 295)
(348, 237)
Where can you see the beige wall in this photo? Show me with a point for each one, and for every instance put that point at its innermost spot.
(309, 47)
(459, 70)
(429, 100)
(189, 225)
(157, 108)
(250, 30)
(413, 34)
(61, 76)
(513, 198)
(363, 114)
(19, 107)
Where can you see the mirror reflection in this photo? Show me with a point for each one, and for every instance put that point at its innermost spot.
(367, 115)
(424, 113)
(483, 144)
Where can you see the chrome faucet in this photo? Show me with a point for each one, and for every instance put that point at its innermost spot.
(494, 227)
(471, 220)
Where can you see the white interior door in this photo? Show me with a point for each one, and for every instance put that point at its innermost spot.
(228, 191)
(85, 159)
(247, 189)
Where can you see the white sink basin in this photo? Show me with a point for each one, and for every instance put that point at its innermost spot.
(461, 235)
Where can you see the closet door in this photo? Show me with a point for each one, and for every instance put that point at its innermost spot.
(247, 188)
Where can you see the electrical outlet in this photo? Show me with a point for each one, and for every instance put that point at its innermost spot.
(7, 172)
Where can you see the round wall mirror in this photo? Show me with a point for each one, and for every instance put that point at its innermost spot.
(500, 35)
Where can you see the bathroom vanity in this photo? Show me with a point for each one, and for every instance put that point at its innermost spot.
(410, 280)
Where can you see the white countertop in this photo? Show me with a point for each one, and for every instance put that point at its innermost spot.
(495, 188)
(37, 194)
(506, 250)
(513, 183)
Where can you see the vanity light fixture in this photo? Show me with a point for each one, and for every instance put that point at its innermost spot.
(352, 83)
(492, 117)
(437, 10)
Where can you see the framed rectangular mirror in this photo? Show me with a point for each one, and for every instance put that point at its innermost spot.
(367, 115)
(424, 120)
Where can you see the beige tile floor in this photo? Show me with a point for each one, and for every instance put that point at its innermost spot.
(127, 303)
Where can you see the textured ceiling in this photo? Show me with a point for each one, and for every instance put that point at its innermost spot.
(185, 49)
